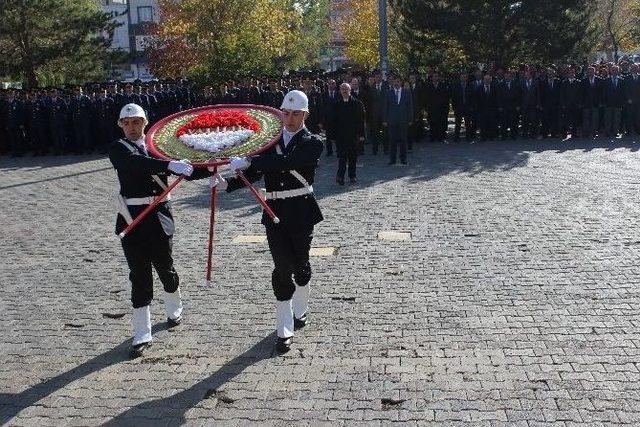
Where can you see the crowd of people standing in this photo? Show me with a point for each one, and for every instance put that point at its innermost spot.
(351, 109)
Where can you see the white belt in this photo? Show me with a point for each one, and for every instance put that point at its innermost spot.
(137, 201)
(289, 193)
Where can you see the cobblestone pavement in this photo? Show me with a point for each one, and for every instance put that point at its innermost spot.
(514, 303)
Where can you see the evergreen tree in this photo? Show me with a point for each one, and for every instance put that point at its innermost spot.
(501, 32)
(44, 37)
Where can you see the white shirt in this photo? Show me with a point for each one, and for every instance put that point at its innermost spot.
(141, 144)
(398, 95)
(287, 136)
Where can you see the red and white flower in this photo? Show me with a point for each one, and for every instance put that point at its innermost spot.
(218, 131)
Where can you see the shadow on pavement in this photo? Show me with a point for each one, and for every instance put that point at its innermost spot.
(11, 404)
(171, 410)
(429, 161)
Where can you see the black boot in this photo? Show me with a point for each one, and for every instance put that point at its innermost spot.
(283, 345)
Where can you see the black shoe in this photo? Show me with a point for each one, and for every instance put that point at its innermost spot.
(138, 350)
(339, 181)
(299, 323)
(171, 323)
(404, 162)
(283, 345)
(353, 180)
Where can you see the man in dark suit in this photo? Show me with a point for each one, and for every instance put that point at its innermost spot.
(550, 104)
(438, 106)
(348, 121)
(591, 102)
(377, 95)
(632, 95)
(614, 96)
(142, 179)
(509, 100)
(487, 105)
(330, 97)
(461, 99)
(288, 170)
(570, 99)
(397, 115)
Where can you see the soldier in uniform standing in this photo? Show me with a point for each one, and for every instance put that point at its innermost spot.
(37, 123)
(80, 114)
(16, 122)
(104, 107)
(142, 178)
(57, 113)
(289, 171)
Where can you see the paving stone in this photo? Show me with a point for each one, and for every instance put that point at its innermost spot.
(250, 239)
(513, 302)
(394, 236)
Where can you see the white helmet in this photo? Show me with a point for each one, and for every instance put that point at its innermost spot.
(132, 110)
(295, 100)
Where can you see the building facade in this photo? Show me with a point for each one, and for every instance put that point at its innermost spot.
(132, 36)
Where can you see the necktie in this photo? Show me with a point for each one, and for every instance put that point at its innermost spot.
(398, 95)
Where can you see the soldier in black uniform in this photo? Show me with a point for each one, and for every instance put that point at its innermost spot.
(16, 122)
(104, 107)
(80, 113)
(37, 123)
(57, 112)
(142, 178)
(288, 170)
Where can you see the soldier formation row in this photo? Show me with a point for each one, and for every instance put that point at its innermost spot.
(547, 102)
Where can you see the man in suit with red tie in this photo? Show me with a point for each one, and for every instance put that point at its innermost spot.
(398, 116)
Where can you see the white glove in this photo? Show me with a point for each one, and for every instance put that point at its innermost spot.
(218, 181)
(239, 163)
(180, 167)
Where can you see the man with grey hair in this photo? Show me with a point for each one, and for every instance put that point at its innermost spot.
(348, 122)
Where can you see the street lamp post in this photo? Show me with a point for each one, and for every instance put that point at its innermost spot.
(384, 57)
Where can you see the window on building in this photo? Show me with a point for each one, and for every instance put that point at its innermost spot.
(145, 14)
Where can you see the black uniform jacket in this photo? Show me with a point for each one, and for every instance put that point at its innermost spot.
(135, 170)
(302, 155)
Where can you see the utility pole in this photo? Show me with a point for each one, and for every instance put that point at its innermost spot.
(384, 56)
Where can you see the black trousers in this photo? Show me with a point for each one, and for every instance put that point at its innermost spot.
(377, 135)
(142, 254)
(290, 253)
(398, 142)
(347, 158)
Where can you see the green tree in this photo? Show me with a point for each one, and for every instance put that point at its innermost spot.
(41, 38)
(214, 40)
(617, 25)
(501, 32)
